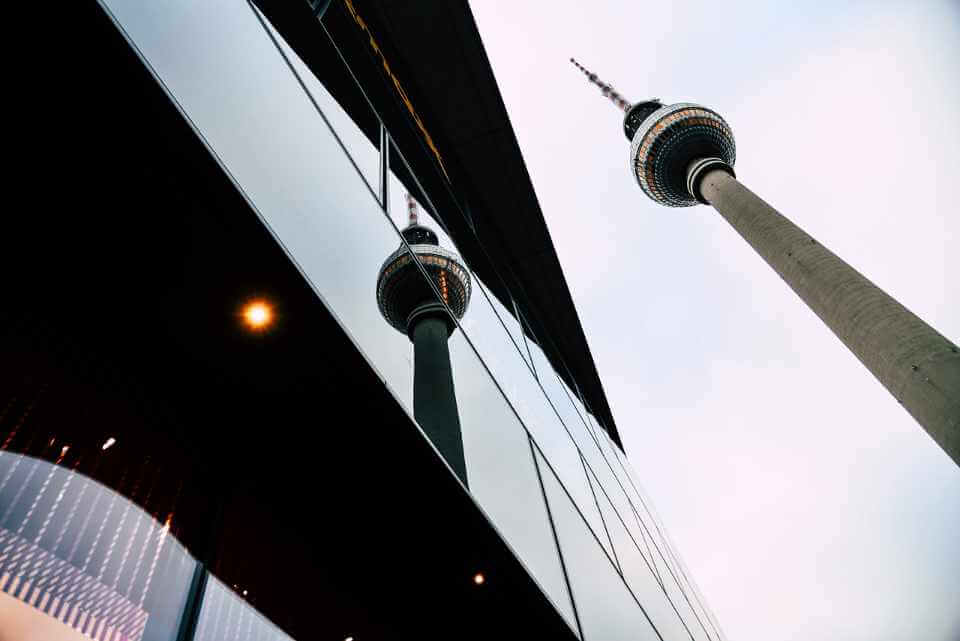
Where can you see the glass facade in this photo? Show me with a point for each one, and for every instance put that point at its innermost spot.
(108, 563)
(86, 556)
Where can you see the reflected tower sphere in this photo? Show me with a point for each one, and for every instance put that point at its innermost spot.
(683, 154)
(411, 304)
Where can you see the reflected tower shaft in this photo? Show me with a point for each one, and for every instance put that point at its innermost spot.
(410, 303)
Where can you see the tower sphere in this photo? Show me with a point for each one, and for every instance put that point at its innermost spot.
(668, 140)
(403, 293)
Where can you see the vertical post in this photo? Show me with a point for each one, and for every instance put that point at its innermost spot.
(384, 169)
(193, 603)
(206, 559)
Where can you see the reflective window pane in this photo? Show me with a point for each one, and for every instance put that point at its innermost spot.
(560, 399)
(639, 575)
(687, 600)
(299, 178)
(521, 387)
(364, 153)
(224, 614)
(606, 608)
(506, 318)
(501, 473)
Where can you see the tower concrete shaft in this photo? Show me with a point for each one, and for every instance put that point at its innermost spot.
(421, 289)
(917, 364)
(434, 397)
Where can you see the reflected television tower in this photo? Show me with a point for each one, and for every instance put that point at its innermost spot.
(409, 303)
(683, 154)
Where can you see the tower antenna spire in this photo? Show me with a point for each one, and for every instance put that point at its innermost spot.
(607, 90)
(683, 154)
(412, 210)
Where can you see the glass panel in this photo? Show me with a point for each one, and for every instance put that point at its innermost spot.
(587, 417)
(616, 487)
(176, 35)
(693, 594)
(665, 561)
(696, 599)
(541, 421)
(638, 523)
(224, 614)
(643, 504)
(611, 455)
(507, 319)
(606, 608)
(288, 162)
(365, 153)
(496, 347)
(640, 503)
(556, 391)
(555, 441)
(560, 397)
(78, 560)
(508, 316)
(631, 510)
(650, 527)
(639, 575)
(634, 515)
(501, 473)
(682, 601)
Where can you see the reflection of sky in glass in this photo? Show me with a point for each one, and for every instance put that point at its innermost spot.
(213, 55)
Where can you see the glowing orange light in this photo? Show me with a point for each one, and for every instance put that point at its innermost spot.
(258, 315)
(478, 578)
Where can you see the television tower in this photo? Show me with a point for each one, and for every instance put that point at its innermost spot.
(409, 303)
(683, 154)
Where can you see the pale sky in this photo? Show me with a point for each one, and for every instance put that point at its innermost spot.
(806, 502)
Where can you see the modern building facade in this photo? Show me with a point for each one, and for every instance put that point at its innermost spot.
(683, 155)
(208, 430)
